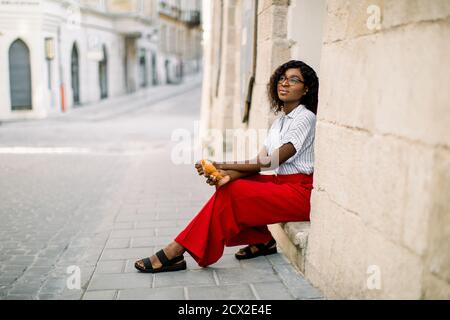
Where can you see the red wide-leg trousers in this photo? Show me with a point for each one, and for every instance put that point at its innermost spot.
(238, 214)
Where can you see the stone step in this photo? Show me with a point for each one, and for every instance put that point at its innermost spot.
(292, 238)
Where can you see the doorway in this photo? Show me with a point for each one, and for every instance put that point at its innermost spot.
(154, 70)
(20, 76)
(103, 75)
(75, 71)
(143, 68)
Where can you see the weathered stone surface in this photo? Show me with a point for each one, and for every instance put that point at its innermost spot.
(348, 249)
(368, 83)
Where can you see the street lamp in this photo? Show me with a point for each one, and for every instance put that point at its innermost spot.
(49, 48)
(49, 55)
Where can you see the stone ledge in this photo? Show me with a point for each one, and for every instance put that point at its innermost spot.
(292, 238)
(298, 233)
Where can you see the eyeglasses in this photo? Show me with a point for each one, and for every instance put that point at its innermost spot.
(292, 81)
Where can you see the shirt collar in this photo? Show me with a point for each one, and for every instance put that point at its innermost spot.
(294, 112)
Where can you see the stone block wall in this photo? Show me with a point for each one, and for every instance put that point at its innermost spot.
(382, 153)
(380, 219)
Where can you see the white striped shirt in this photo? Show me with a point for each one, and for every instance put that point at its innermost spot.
(298, 127)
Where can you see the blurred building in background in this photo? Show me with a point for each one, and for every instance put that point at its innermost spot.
(56, 55)
(380, 219)
(180, 36)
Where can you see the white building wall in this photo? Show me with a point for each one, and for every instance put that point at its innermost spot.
(34, 20)
(45, 19)
(25, 23)
(99, 31)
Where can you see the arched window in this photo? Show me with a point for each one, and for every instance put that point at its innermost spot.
(143, 68)
(154, 70)
(75, 72)
(103, 74)
(20, 76)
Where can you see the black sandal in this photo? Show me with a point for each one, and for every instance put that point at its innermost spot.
(167, 265)
(263, 250)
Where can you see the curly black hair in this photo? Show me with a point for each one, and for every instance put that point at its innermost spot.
(310, 100)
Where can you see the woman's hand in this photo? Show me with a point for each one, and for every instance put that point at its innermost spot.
(226, 178)
(199, 168)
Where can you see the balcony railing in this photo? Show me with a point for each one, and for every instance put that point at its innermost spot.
(168, 10)
(192, 18)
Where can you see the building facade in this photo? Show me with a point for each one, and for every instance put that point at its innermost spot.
(58, 55)
(380, 216)
(181, 34)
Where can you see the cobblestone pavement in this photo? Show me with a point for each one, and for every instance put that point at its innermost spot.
(96, 189)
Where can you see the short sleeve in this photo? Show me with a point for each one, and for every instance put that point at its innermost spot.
(268, 141)
(299, 132)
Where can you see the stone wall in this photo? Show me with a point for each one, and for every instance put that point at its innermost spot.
(382, 153)
(272, 50)
(380, 220)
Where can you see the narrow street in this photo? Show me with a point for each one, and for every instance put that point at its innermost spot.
(96, 189)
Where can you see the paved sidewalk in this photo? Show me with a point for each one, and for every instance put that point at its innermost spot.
(156, 206)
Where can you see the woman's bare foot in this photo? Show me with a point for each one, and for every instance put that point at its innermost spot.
(172, 250)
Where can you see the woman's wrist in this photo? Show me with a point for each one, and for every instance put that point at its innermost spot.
(237, 174)
(233, 174)
(241, 167)
(218, 165)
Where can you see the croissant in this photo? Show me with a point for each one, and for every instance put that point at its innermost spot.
(210, 170)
